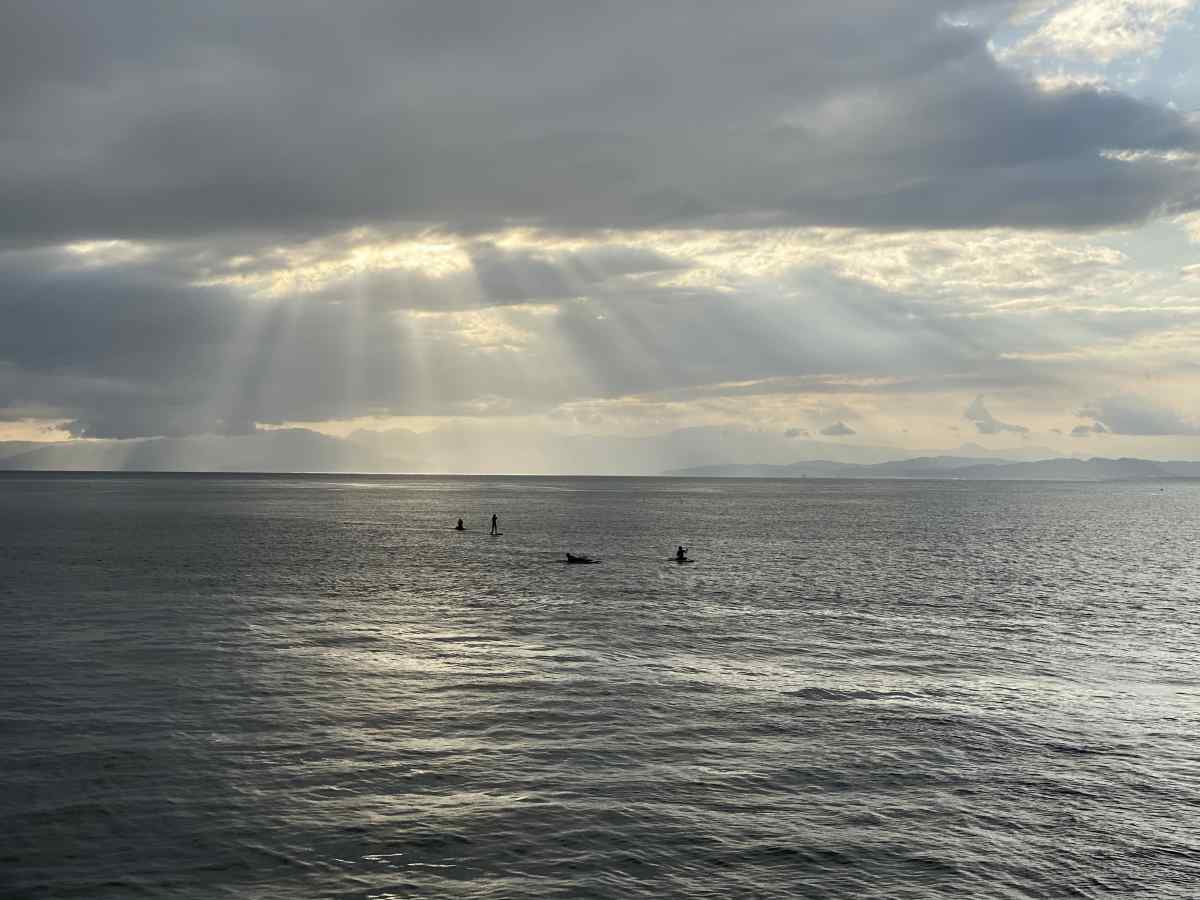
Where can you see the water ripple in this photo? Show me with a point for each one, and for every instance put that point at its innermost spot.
(272, 688)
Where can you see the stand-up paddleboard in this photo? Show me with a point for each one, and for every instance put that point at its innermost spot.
(580, 560)
(495, 534)
(676, 559)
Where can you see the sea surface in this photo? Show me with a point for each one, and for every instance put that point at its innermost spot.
(289, 687)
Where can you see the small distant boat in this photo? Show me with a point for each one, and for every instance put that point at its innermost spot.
(580, 559)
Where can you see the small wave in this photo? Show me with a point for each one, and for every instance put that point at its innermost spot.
(487, 687)
(349, 640)
(830, 695)
(1080, 750)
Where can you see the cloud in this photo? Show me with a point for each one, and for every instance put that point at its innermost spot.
(508, 275)
(228, 214)
(143, 340)
(274, 119)
(793, 433)
(986, 423)
(837, 429)
(126, 350)
(1106, 30)
(1082, 431)
(1130, 414)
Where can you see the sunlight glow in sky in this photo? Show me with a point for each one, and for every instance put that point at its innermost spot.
(466, 237)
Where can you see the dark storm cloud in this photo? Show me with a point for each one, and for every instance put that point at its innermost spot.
(143, 118)
(124, 351)
(129, 321)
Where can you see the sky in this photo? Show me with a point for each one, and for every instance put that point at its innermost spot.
(914, 224)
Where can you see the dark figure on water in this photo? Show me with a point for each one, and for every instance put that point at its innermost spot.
(495, 521)
(459, 526)
(681, 553)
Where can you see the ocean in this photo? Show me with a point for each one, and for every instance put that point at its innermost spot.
(312, 686)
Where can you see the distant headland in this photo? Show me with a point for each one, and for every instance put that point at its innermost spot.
(962, 468)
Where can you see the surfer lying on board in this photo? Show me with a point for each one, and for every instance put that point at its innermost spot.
(578, 558)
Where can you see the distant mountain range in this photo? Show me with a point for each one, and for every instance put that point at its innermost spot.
(704, 451)
(285, 450)
(494, 448)
(961, 467)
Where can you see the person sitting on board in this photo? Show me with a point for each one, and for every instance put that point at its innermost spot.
(681, 553)
(495, 522)
(459, 526)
